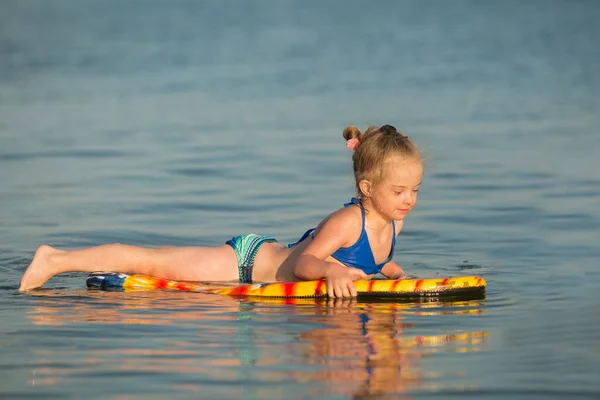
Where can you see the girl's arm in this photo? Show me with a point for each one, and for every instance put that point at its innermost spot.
(392, 270)
(339, 230)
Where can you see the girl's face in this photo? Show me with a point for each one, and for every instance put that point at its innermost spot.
(396, 194)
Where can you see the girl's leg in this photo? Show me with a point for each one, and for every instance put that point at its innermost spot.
(178, 263)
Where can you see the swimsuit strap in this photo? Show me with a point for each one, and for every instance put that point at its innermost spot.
(353, 201)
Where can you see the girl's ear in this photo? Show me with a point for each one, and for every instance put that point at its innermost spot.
(365, 187)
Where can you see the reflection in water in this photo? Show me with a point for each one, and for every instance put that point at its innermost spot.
(185, 341)
(365, 349)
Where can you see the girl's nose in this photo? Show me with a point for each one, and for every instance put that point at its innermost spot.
(410, 199)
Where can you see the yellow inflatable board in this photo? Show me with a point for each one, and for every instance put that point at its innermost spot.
(401, 288)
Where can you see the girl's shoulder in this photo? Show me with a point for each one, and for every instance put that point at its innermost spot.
(346, 217)
(345, 222)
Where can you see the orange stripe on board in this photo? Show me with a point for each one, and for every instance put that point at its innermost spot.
(319, 287)
(288, 289)
(445, 281)
(418, 285)
(371, 284)
(162, 283)
(395, 284)
(233, 291)
(240, 290)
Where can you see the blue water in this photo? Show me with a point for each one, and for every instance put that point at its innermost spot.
(187, 122)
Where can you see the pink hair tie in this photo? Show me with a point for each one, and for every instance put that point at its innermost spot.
(352, 144)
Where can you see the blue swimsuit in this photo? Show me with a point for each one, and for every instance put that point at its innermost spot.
(359, 255)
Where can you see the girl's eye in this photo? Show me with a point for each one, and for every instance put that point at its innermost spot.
(416, 190)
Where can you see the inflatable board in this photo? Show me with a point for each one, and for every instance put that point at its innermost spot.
(462, 286)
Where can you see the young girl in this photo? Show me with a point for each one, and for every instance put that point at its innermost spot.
(352, 243)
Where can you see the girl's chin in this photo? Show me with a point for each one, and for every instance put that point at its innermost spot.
(399, 215)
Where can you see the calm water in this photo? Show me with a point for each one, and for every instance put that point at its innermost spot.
(187, 122)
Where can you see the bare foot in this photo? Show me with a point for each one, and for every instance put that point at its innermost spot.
(40, 269)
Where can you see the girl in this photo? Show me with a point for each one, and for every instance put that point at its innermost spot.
(352, 243)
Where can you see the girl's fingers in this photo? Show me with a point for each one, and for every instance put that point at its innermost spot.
(345, 291)
(352, 289)
(337, 291)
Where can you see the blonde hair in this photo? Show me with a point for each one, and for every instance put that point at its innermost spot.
(374, 147)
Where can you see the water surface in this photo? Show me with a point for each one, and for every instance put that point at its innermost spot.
(185, 123)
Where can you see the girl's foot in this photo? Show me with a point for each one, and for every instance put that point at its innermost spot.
(40, 269)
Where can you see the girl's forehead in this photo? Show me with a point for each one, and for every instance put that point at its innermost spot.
(399, 170)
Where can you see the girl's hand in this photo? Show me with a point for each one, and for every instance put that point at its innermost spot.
(340, 281)
(392, 270)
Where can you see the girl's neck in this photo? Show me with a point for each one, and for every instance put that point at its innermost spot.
(373, 219)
